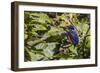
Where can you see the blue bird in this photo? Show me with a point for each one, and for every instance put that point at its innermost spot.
(72, 35)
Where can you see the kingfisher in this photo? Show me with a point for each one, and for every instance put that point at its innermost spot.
(72, 35)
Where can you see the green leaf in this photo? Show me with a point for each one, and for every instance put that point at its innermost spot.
(73, 50)
(34, 33)
(52, 45)
(39, 28)
(41, 46)
(48, 51)
(54, 31)
(30, 43)
(31, 56)
(36, 57)
(41, 17)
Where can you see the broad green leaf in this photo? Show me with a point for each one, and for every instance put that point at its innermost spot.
(54, 32)
(32, 56)
(41, 17)
(30, 43)
(34, 33)
(46, 45)
(48, 51)
(39, 28)
(41, 46)
(73, 50)
(52, 45)
(36, 57)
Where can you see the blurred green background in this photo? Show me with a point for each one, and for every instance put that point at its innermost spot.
(45, 36)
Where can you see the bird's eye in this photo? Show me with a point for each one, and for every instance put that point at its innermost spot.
(72, 28)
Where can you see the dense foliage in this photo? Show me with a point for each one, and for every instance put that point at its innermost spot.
(45, 36)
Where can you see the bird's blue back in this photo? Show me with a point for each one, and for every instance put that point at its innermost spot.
(72, 34)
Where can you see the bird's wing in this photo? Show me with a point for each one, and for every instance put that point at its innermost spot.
(73, 37)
